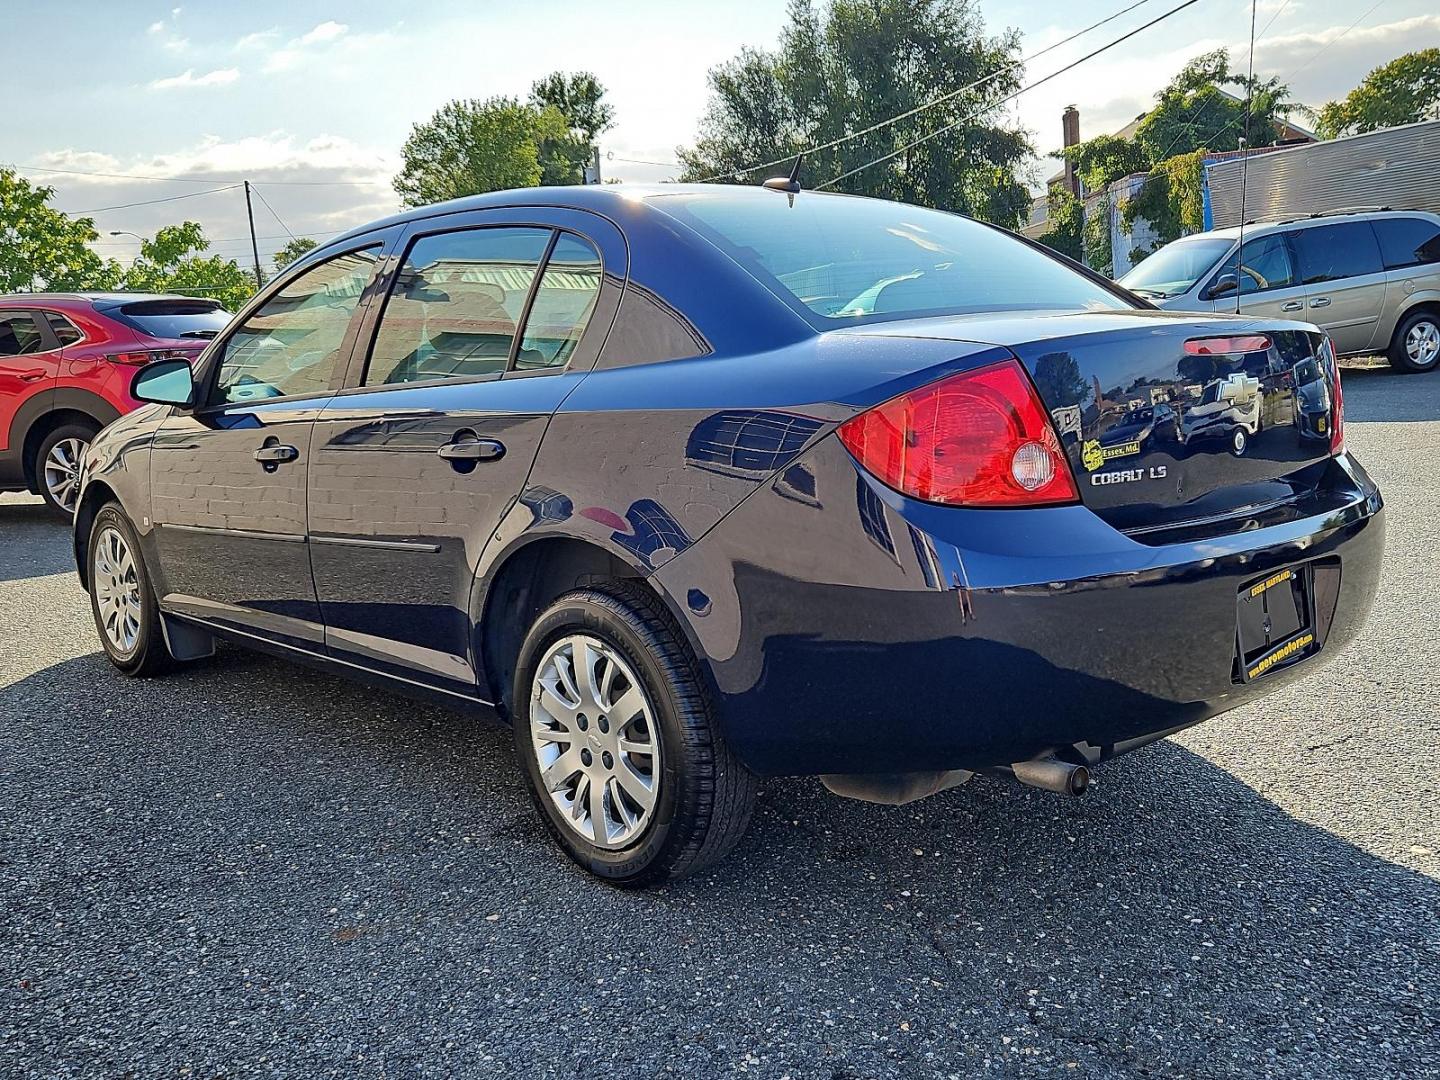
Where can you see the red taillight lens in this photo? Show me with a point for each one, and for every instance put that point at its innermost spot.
(981, 438)
(1337, 414)
(147, 357)
(1227, 346)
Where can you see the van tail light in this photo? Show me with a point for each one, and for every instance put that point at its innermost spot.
(980, 438)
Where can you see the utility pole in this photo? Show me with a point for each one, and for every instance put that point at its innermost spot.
(254, 246)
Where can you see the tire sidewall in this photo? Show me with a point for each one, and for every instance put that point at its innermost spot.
(1400, 357)
(111, 517)
(628, 865)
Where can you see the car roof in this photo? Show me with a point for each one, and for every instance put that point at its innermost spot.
(1261, 227)
(24, 299)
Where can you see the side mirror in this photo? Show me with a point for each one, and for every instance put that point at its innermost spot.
(165, 382)
(1224, 285)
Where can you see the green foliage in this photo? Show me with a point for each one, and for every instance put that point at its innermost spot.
(579, 98)
(293, 250)
(470, 147)
(41, 248)
(1194, 112)
(1404, 91)
(1171, 199)
(1100, 161)
(1067, 222)
(1099, 255)
(853, 63)
(173, 261)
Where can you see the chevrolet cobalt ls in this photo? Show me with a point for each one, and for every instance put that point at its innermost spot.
(698, 484)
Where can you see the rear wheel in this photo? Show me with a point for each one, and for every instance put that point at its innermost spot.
(615, 730)
(1416, 345)
(57, 466)
(1238, 442)
(121, 599)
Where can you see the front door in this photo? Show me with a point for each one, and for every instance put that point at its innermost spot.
(415, 465)
(228, 477)
(1269, 287)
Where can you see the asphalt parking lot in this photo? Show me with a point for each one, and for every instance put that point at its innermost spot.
(252, 869)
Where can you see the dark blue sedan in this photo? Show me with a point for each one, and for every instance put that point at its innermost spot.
(695, 485)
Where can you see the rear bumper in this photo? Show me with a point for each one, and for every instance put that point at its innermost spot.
(866, 632)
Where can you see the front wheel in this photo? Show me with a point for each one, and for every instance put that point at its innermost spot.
(1416, 345)
(615, 729)
(57, 466)
(121, 599)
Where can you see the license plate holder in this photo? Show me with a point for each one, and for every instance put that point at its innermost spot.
(1275, 622)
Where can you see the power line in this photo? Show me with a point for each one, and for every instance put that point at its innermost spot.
(197, 179)
(933, 102)
(1009, 97)
(256, 188)
(151, 202)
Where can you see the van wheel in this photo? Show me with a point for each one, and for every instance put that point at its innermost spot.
(121, 599)
(1416, 345)
(57, 466)
(615, 729)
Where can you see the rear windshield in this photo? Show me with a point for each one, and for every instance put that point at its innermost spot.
(1175, 267)
(851, 259)
(172, 318)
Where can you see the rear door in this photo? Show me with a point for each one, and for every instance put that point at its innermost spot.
(228, 478)
(1410, 247)
(29, 366)
(1344, 279)
(491, 320)
(1268, 283)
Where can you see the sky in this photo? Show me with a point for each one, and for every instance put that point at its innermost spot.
(311, 101)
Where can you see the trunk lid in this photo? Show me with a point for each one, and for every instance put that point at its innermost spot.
(1163, 424)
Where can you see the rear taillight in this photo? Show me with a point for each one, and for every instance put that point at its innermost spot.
(140, 357)
(980, 438)
(1337, 414)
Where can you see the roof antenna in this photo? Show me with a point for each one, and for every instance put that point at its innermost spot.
(788, 184)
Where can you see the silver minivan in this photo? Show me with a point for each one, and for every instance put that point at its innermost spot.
(1370, 279)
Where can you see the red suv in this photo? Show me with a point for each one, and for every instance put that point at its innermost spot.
(66, 361)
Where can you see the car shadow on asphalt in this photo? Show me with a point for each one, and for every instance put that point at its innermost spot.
(1173, 894)
(36, 540)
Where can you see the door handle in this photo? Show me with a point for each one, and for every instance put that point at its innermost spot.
(1320, 301)
(1292, 305)
(273, 455)
(472, 450)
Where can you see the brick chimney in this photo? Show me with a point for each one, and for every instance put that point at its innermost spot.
(1070, 127)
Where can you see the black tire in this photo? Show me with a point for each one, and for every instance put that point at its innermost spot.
(65, 433)
(1399, 358)
(148, 656)
(705, 795)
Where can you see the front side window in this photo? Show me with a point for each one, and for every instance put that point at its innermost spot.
(1264, 264)
(66, 332)
(849, 260)
(1407, 241)
(1332, 252)
(19, 336)
(562, 306)
(292, 343)
(455, 305)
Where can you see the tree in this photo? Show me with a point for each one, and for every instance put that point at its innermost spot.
(579, 98)
(41, 248)
(172, 261)
(1100, 161)
(470, 147)
(1404, 91)
(297, 247)
(1066, 217)
(855, 63)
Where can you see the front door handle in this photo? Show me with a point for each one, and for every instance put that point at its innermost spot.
(1320, 301)
(472, 450)
(275, 454)
(1293, 305)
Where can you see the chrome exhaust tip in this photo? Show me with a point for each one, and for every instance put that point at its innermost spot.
(1049, 774)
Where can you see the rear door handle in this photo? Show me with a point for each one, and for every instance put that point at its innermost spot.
(1320, 301)
(1292, 305)
(33, 376)
(273, 455)
(472, 450)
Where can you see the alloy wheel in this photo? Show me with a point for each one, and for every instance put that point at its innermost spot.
(117, 590)
(62, 473)
(1422, 344)
(595, 740)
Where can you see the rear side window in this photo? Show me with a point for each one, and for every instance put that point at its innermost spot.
(19, 336)
(65, 331)
(1407, 241)
(172, 318)
(849, 259)
(455, 305)
(1332, 252)
(562, 306)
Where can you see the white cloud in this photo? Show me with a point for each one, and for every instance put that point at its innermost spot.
(176, 44)
(333, 41)
(188, 78)
(155, 28)
(326, 31)
(258, 38)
